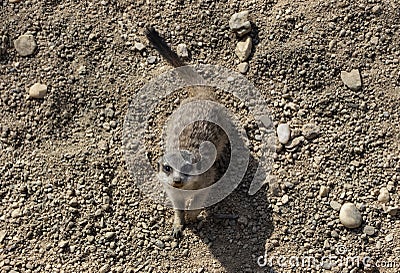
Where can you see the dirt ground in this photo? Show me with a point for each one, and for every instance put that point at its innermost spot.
(68, 202)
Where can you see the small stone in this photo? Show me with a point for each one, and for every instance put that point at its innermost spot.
(38, 91)
(63, 244)
(285, 199)
(185, 252)
(283, 132)
(310, 131)
(352, 80)
(242, 220)
(109, 235)
(25, 45)
(151, 59)
(3, 234)
(376, 9)
(294, 143)
(389, 237)
(159, 244)
(16, 213)
(182, 51)
(331, 45)
(174, 244)
(139, 46)
(369, 230)
(74, 202)
(384, 195)
(243, 48)
(104, 269)
(323, 191)
(393, 210)
(243, 67)
(239, 23)
(350, 216)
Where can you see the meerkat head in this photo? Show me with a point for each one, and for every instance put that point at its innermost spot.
(177, 178)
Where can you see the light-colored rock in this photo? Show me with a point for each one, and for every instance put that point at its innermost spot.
(38, 91)
(243, 48)
(283, 132)
(369, 230)
(350, 216)
(335, 205)
(3, 234)
(25, 45)
(16, 213)
(384, 195)
(310, 131)
(352, 80)
(182, 51)
(139, 46)
(243, 67)
(240, 23)
(323, 191)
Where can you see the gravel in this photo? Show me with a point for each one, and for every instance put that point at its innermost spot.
(350, 216)
(38, 91)
(243, 48)
(283, 132)
(68, 144)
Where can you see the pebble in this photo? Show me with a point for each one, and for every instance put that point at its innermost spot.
(151, 59)
(38, 91)
(283, 132)
(182, 51)
(63, 244)
(389, 237)
(295, 142)
(109, 235)
(323, 191)
(384, 195)
(352, 80)
(139, 46)
(3, 234)
(185, 252)
(74, 202)
(243, 48)
(240, 23)
(16, 213)
(104, 269)
(243, 67)
(350, 216)
(285, 199)
(369, 230)
(335, 205)
(25, 45)
(376, 9)
(393, 210)
(310, 131)
(159, 244)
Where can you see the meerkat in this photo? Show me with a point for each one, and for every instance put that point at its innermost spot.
(190, 140)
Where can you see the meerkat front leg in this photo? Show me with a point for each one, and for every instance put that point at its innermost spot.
(179, 222)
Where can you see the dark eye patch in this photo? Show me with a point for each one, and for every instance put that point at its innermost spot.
(167, 168)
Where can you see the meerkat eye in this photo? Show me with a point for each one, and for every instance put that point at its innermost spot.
(167, 169)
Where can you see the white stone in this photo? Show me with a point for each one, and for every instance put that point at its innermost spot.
(384, 195)
(283, 132)
(243, 67)
(139, 46)
(239, 23)
(350, 216)
(352, 80)
(182, 51)
(38, 91)
(25, 45)
(243, 48)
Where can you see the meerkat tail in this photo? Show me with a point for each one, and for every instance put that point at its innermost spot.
(162, 47)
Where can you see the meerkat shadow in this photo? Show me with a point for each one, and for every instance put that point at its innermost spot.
(237, 228)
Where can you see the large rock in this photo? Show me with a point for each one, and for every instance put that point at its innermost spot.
(25, 45)
(239, 23)
(352, 80)
(350, 216)
(243, 48)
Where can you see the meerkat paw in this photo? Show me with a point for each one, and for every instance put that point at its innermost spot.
(177, 231)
